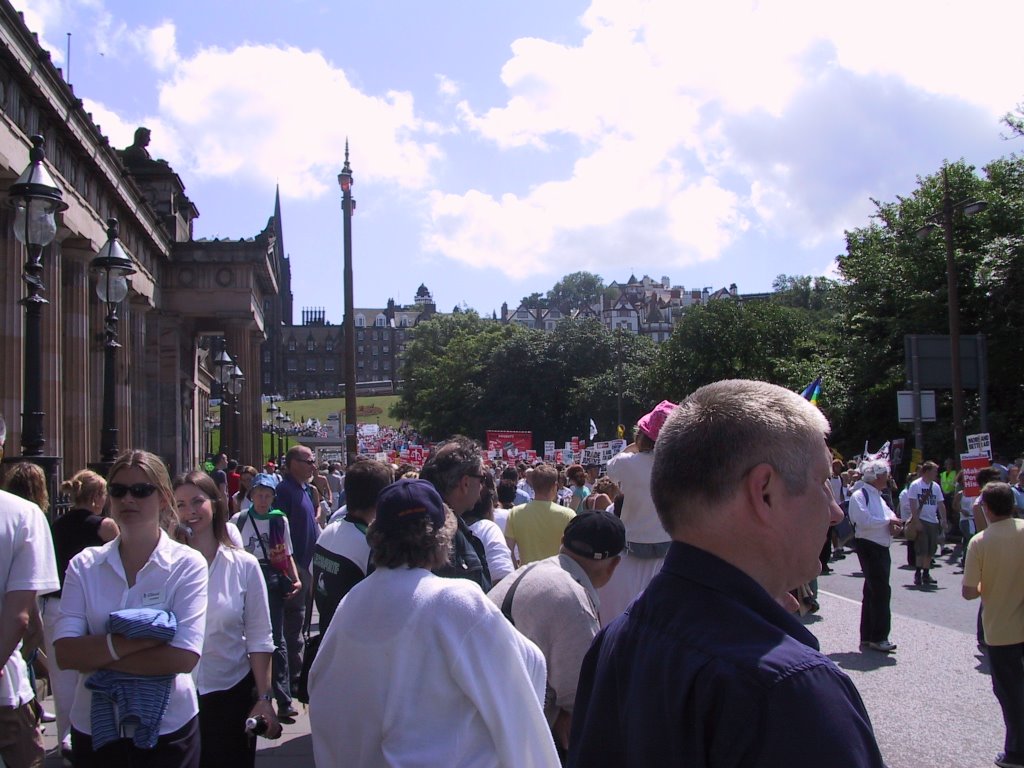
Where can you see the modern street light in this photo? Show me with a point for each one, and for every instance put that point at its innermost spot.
(36, 200)
(112, 267)
(944, 218)
(348, 206)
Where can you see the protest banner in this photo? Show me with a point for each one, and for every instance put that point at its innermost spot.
(980, 445)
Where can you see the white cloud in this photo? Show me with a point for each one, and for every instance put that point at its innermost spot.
(161, 45)
(274, 113)
(447, 87)
(650, 99)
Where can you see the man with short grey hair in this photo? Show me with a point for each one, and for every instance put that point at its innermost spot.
(875, 524)
(706, 667)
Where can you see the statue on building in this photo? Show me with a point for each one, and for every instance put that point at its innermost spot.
(137, 151)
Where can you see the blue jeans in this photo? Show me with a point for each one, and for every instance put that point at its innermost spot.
(279, 661)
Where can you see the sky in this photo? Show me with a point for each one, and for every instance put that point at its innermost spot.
(497, 146)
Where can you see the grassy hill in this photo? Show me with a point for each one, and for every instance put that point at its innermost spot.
(321, 409)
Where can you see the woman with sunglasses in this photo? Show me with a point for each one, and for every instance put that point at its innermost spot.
(143, 568)
(238, 644)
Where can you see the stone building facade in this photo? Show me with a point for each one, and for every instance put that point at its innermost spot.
(183, 294)
(312, 353)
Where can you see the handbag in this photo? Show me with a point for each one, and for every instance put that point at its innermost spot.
(911, 529)
(844, 531)
(277, 582)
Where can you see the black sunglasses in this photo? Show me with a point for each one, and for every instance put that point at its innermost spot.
(138, 491)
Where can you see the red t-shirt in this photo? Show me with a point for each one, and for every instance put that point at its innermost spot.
(234, 478)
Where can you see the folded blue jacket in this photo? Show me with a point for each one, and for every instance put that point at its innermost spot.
(120, 698)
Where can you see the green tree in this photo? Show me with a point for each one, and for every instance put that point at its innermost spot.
(534, 301)
(894, 283)
(576, 291)
(445, 370)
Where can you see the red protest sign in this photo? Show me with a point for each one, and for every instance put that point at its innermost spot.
(970, 466)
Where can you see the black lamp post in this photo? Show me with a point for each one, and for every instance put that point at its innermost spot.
(223, 363)
(36, 200)
(279, 429)
(287, 422)
(273, 410)
(348, 205)
(234, 385)
(112, 267)
(944, 218)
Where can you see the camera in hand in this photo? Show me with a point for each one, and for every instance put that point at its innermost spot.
(257, 726)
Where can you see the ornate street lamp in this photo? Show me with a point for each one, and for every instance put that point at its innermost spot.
(273, 410)
(36, 200)
(287, 422)
(223, 364)
(348, 205)
(112, 267)
(944, 218)
(234, 385)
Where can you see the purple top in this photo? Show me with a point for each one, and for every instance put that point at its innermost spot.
(295, 501)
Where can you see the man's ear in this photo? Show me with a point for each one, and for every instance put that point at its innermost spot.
(761, 489)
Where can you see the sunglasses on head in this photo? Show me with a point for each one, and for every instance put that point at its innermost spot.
(138, 491)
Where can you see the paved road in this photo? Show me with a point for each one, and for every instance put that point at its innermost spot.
(931, 702)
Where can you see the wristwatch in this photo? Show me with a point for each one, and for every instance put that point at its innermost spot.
(265, 697)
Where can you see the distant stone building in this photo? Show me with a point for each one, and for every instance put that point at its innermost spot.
(646, 307)
(313, 352)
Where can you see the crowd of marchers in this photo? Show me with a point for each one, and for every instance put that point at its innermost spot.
(638, 614)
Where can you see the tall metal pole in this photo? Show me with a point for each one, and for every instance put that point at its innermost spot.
(959, 445)
(347, 204)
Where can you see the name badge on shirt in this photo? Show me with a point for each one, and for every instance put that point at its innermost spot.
(150, 599)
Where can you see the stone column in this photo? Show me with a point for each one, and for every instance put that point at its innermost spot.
(52, 350)
(81, 443)
(241, 346)
(12, 331)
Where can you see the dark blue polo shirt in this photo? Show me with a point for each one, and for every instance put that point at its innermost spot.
(294, 500)
(706, 669)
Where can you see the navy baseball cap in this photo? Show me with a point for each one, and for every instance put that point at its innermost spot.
(407, 500)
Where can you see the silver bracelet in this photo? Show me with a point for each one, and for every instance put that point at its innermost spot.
(110, 647)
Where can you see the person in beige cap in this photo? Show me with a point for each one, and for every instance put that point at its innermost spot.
(646, 541)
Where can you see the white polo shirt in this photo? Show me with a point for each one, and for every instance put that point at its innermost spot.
(237, 620)
(27, 564)
(173, 579)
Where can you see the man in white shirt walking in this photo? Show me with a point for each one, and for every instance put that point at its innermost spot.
(927, 509)
(28, 568)
(875, 525)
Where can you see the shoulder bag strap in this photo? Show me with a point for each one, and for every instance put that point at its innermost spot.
(506, 604)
